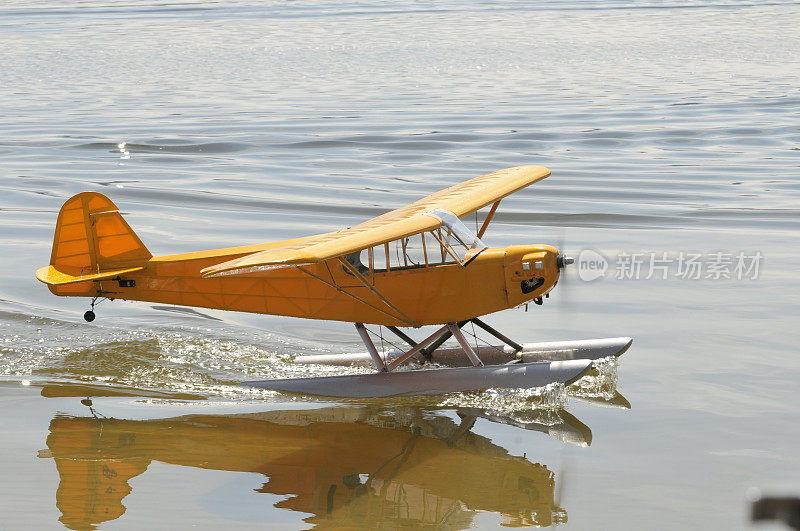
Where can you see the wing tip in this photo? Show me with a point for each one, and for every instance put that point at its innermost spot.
(42, 275)
(541, 170)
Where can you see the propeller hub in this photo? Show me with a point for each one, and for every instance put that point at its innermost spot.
(563, 261)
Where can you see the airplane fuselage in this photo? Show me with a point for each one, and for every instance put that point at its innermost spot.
(497, 279)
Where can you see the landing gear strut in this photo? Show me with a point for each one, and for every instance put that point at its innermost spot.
(89, 316)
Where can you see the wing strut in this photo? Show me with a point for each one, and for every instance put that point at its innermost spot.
(489, 217)
(337, 288)
(356, 273)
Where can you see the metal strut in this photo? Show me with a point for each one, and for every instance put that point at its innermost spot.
(502, 337)
(488, 218)
(365, 282)
(456, 331)
(379, 362)
(428, 351)
(419, 346)
(428, 345)
(402, 335)
(373, 352)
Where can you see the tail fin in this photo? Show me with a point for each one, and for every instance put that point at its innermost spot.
(92, 242)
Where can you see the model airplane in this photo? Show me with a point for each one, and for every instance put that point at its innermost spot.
(414, 266)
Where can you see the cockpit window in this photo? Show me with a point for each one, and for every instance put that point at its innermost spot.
(452, 243)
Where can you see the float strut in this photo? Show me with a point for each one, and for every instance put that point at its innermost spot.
(428, 351)
(502, 337)
(418, 347)
(402, 335)
(379, 364)
(456, 331)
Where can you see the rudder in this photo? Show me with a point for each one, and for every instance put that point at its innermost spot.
(91, 239)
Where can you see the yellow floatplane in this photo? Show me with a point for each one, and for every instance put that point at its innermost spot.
(415, 266)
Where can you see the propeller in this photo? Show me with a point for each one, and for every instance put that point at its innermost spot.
(562, 261)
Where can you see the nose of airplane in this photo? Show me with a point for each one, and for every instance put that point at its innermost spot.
(562, 261)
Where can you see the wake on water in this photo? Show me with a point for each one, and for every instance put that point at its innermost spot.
(209, 364)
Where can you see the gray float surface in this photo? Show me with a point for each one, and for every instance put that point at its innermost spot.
(590, 349)
(433, 381)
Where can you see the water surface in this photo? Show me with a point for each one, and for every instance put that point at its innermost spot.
(668, 126)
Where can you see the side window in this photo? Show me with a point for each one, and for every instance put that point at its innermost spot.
(398, 257)
(421, 250)
(356, 259)
(405, 253)
(437, 253)
(380, 257)
(412, 253)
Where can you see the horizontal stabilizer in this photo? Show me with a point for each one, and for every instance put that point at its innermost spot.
(54, 277)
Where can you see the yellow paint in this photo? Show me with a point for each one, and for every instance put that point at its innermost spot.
(94, 246)
(51, 275)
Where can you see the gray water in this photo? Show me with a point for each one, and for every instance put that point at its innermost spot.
(670, 127)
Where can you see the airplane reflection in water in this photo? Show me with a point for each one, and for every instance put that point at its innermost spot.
(347, 466)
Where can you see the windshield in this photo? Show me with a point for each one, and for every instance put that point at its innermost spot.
(457, 236)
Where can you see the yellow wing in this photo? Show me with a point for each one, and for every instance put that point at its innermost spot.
(461, 199)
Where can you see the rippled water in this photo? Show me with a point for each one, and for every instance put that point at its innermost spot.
(668, 126)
